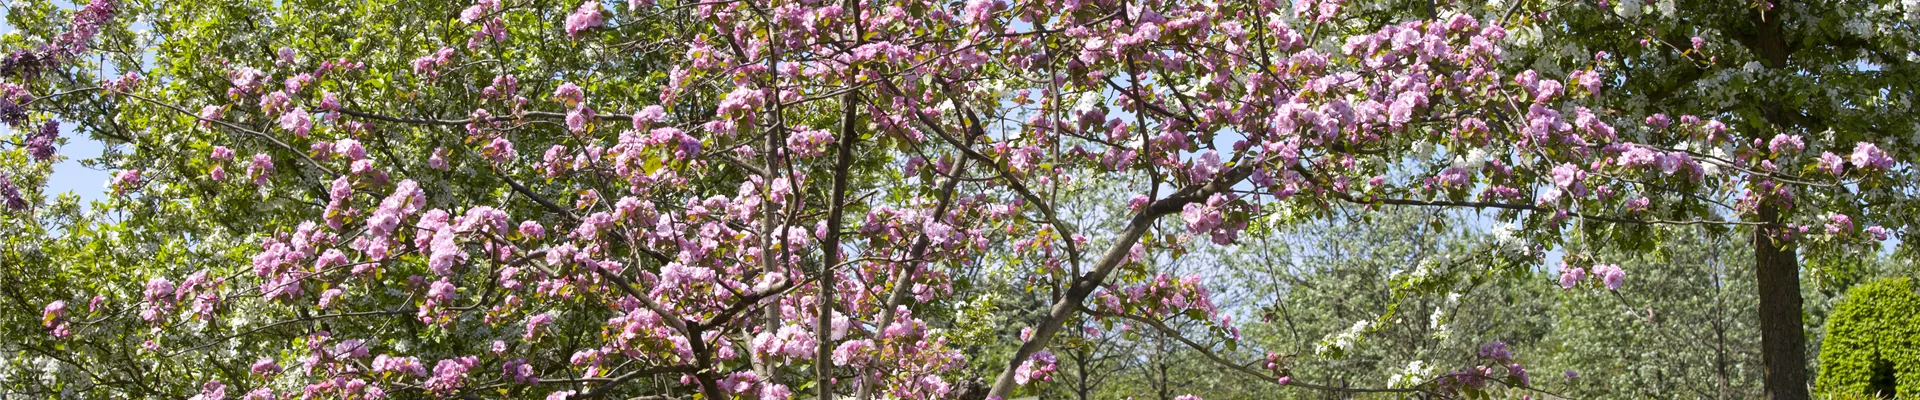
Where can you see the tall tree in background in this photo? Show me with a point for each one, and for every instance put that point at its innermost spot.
(1691, 315)
(1681, 327)
(758, 199)
(1830, 72)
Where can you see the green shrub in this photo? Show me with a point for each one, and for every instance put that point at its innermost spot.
(1873, 342)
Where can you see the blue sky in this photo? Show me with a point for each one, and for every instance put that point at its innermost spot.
(68, 175)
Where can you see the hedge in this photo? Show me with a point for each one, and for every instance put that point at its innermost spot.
(1873, 342)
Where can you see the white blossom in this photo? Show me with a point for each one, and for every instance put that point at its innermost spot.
(1422, 150)
(1416, 373)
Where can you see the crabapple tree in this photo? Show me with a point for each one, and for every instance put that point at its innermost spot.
(747, 199)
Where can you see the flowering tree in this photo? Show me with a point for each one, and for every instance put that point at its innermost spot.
(756, 200)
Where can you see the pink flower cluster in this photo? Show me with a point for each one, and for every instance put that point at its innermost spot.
(10, 195)
(40, 142)
(586, 17)
(429, 65)
(450, 375)
(1611, 276)
(1210, 218)
(55, 316)
(1038, 368)
(809, 143)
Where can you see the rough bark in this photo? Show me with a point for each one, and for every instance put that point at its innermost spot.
(1783, 342)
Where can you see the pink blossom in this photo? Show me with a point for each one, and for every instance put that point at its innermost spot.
(328, 298)
(1200, 218)
(330, 101)
(1454, 177)
(587, 16)
(399, 365)
(221, 153)
(775, 391)
(981, 11)
(535, 323)
(852, 353)
(1570, 276)
(1589, 80)
(1714, 128)
(1401, 111)
(569, 94)
(40, 142)
(1837, 223)
(54, 312)
(293, 84)
(1877, 232)
(209, 114)
(519, 371)
(1037, 368)
(266, 367)
(1610, 275)
(438, 160)
(440, 292)
(1832, 164)
(212, 390)
(1658, 121)
(1638, 204)
(1866, 155)
(1569, 176)
(808, 143)
(350, 148)
(261, 168)
(1205, 166)
(1547, 91)
(429, 65)
(1784, 143)
(532, 230)
(297, 121)
(650, 115)
(450, 375)
(741, 99)
(477, 10)
(124, 180)
(578, 117)
(500, 150)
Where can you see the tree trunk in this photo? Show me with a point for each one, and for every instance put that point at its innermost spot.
(1082, 391)
(842, 168)
(1783, 343)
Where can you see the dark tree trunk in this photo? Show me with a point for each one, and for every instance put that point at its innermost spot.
(842, 169)
(1783, 342)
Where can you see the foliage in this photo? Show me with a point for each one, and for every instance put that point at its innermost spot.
(1873, 341)
(1683, 327)
(753, 199)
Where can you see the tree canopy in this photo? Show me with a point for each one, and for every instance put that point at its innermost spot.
(914, 199)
